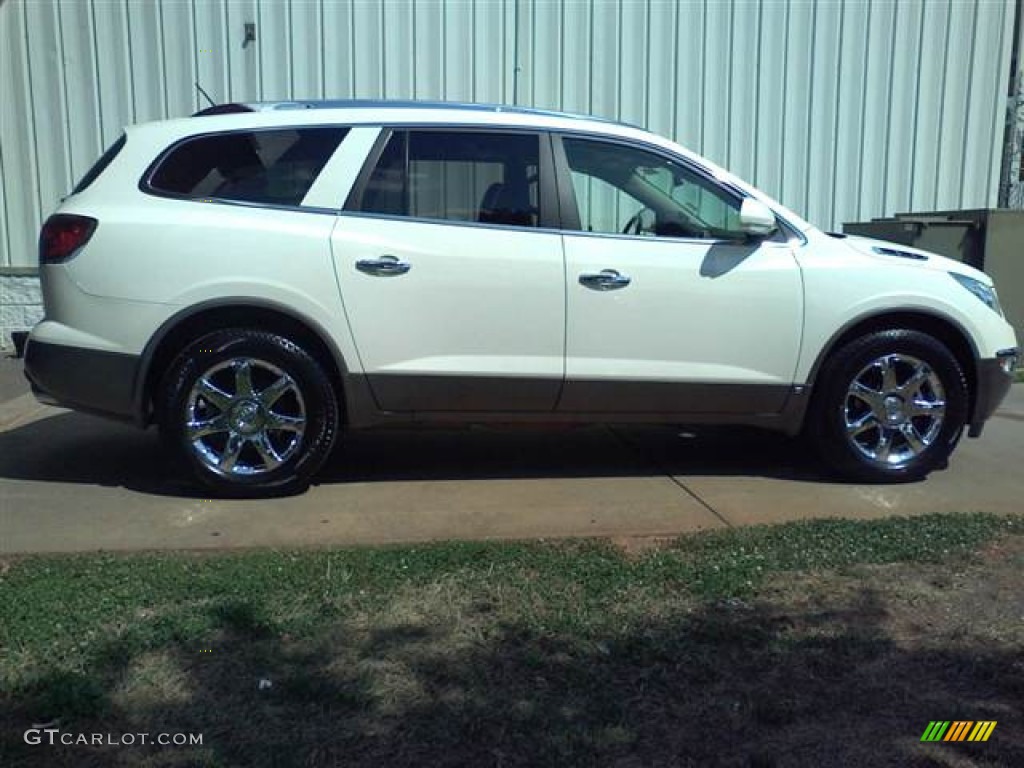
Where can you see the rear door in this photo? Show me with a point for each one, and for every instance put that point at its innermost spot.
(451, 271)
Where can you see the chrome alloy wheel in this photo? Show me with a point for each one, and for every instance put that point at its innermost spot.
(245, 417)
(894, 409)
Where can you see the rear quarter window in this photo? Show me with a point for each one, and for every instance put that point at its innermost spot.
(272, 167)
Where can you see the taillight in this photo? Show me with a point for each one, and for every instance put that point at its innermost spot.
(62, 235)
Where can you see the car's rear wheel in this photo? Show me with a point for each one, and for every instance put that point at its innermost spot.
(890, 407)
(250, 412)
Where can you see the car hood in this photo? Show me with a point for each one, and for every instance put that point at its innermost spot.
(906, 255)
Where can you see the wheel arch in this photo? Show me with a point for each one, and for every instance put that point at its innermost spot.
(192, 323)
(947, 331)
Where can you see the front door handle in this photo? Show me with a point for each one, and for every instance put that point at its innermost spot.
(384, 266)
(605, 280)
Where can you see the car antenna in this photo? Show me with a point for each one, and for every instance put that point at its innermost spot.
(200, 89)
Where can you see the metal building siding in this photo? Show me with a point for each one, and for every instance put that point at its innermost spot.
(843, 110)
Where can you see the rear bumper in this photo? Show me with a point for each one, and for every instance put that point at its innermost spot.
(88, 380)
(995, 375)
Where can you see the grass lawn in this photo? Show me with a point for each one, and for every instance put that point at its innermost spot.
(809, 644)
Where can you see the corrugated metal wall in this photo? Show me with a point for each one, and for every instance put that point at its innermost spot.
(843, 110)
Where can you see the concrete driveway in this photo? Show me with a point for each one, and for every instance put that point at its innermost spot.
(70, 482)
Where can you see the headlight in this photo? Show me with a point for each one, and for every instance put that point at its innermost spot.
(986, 293)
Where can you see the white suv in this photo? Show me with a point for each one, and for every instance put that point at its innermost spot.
(256, 277)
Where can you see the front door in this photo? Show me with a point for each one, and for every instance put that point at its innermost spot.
(454, 292)
(671, 308)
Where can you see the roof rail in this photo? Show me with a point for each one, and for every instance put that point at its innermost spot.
(261, 106)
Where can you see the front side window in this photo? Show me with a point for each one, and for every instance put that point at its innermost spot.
(625, 190)
(275, 167)
(484, 177)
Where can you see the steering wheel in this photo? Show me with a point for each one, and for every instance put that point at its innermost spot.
(635, 223)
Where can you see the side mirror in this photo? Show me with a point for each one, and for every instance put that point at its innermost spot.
(757, 219)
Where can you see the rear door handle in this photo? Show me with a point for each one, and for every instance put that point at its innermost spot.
(383, 266)
(605, 280)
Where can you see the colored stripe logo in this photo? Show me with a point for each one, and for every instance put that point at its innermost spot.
(958, 730)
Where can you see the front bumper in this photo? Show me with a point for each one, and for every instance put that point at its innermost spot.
(88, 380)
(995, 375)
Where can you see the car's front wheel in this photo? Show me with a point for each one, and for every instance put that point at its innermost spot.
(251, 413)
(890, 406)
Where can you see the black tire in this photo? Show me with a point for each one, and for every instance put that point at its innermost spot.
(870, 430)
(268, 410)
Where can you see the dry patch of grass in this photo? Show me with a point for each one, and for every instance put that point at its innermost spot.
(635, 547)
(153, 678)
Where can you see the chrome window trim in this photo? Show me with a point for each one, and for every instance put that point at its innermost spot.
(795, 238)
(319, 210)
(447, 222)
(688, 240)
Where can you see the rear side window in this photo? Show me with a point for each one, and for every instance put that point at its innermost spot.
(100, 165)
(486, 177)
(274, 167)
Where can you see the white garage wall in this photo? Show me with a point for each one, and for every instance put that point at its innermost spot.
(843, 110)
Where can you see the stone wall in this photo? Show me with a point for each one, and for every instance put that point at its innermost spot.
(21, 304)
(1015, 196)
